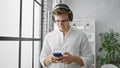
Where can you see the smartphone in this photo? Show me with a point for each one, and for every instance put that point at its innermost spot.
(57, 54)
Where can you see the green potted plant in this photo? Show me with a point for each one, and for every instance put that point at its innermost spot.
(110, 48)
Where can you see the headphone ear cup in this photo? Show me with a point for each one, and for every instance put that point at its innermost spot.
(53, 18)
(70, 16)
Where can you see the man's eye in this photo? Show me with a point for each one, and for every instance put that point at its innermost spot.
(61, 20)
(56, 21)
(64, 20)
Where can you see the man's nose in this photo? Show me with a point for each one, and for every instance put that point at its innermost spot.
(61, 22)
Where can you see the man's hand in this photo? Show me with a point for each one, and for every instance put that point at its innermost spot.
(52, 59)
(67, 58)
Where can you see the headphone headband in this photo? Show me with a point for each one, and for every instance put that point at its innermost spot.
(62, 7)
(65, 7)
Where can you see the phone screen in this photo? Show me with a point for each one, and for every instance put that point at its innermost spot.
(57, 54)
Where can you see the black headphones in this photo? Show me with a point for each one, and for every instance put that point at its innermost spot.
(64, 6)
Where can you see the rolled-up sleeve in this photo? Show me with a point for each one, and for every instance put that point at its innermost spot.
(45, 52)
(86, 53)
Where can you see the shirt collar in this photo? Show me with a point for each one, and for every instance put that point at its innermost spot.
(69, 31)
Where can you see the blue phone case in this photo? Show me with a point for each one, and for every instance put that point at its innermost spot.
(57, 54)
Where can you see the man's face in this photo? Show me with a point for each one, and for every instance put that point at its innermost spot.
(62, 22)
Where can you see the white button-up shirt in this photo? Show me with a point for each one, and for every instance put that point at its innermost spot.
(75, 42)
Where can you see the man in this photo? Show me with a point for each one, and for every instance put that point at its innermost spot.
(71, 42)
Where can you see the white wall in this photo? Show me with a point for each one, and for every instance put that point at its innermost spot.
(105, 12)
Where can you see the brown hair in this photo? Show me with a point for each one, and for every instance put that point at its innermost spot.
(60, 12)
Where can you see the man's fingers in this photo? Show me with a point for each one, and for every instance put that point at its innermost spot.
(66, 53)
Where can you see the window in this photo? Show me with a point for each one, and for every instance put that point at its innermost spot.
(20, 33)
